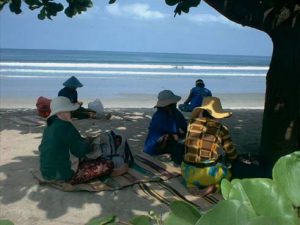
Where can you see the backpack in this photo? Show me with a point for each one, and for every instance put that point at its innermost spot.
(115, 148)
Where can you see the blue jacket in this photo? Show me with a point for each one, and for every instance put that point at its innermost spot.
(197, 94)
(163, 123)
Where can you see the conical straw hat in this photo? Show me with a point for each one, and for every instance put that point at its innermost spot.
(73, 82)
(213, 106)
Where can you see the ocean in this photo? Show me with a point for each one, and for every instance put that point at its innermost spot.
(129, 79)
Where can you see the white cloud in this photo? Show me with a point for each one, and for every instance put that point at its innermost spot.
(114, 9)
(208, 18)
(137, 11)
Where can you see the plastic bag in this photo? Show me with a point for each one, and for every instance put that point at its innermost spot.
(97, 106)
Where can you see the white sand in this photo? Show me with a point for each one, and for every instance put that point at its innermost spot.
(24, 202)
(232, 101)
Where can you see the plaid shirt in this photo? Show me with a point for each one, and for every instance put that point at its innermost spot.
(206, 140)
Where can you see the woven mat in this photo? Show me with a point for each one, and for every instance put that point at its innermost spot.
(145, 169)
(149, 177)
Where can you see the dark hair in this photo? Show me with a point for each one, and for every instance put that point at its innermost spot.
(171, 106)
(207, 114)
(200, 83)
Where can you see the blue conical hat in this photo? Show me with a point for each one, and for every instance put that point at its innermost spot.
(72, 82)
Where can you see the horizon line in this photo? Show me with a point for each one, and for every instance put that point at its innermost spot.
(181, 53)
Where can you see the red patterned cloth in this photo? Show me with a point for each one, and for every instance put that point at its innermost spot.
(91, 169)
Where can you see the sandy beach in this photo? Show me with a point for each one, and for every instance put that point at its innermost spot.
(25, 202)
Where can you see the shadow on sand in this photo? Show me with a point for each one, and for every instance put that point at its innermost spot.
(19, 190)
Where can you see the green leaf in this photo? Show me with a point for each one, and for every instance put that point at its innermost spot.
(286, 173)
(108, 220)
(2, 4)
(263, 220)
(264, 197)
(141, 220)
(70, 11)
(6, 222)
(185, 5)
(32, 2)
(225, 188)
(42, 14)
(77, 7)
(227, 212)
(171, 2)
(182, 213)
(15, 6)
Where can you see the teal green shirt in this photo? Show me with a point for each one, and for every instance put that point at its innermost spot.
(60, 138)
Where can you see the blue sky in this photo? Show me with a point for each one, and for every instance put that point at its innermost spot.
(135, 26)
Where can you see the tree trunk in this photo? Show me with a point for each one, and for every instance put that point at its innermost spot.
(281, 121)
(281, 20)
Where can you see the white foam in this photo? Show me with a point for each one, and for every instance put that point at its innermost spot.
(112, 72)
(129, 66)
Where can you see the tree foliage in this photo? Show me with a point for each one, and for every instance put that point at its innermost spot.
(48, 8)
(255, 13)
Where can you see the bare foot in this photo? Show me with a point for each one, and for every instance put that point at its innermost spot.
(202, 192)
(120, 170)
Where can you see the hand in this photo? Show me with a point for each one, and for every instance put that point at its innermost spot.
(163, 138)
(175, 137)
(181, 131)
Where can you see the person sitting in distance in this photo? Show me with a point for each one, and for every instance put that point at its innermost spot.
(70, 92)
(195, 97)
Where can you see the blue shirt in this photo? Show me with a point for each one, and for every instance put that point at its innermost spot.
(197, 94)
(163, 123)
(69, 93)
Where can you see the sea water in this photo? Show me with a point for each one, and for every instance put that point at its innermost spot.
(129, 79)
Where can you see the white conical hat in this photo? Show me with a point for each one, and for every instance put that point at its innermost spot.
(62, 104)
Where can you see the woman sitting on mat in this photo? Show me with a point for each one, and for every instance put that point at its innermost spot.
(62, 148)
(167, 128)
(207, 142)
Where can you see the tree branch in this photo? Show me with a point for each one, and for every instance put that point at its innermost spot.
(245, 12)
(263, 15)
